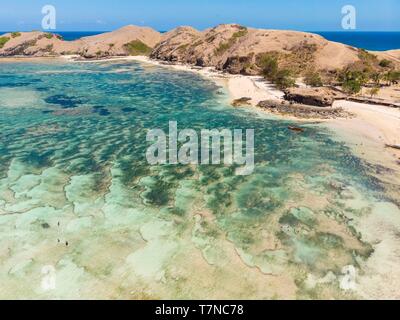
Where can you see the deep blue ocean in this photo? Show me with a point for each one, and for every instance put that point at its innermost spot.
(377, 41)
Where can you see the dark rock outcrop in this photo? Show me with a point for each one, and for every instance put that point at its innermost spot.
(240, 65)
(320, 97)
(245, 101)
(301, 110)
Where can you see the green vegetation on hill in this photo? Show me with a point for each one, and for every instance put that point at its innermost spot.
(385, 63)
(284, 79)
(392, 77)
(301, 57)
(48, 35)
(299, 61)
(352, 81)
(3, 41)
(137, 48)
(15, 34)
(366, 57)
(241, 33)
(268, 62)
(223, 47)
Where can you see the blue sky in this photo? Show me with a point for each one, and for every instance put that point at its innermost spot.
(101, 15)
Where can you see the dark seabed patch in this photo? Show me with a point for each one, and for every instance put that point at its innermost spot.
(101, 111)
(131, 109)
(66, 102)
(42, 89)
(128, 109)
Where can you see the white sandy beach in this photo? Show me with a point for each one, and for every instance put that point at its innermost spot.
(375, 123)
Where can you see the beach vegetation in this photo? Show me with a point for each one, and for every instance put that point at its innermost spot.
(313, 79)
(15, 34)
(3, 41)
(376, 77)
(369, 66)
(137, 48)
(373, 91)
(392, 77)
(281, 77)
(353, 81)
(352, 86)
(284, 79)
(268, 63)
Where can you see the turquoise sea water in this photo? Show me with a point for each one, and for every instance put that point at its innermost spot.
(77, 194)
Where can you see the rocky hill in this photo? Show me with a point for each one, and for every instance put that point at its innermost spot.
(129, 40)
(229, 47)
(238, 49)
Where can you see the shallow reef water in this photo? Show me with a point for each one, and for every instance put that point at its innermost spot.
(78, 198)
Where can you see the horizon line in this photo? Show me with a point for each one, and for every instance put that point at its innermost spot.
(341, 31)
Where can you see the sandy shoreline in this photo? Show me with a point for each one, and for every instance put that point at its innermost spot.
(369, 131)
